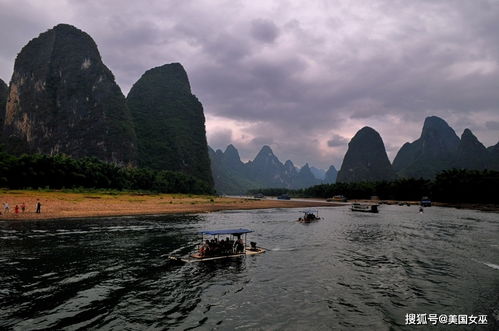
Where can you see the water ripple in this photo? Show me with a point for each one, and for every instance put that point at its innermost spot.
(347, 271)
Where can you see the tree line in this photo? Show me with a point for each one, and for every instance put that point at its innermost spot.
(35, 171)
(455, 185)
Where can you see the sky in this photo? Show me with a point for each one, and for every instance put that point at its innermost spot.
(300, 76)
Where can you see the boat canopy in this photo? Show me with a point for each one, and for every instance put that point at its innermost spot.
(228, 231)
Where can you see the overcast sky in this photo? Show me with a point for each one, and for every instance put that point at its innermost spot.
(300, 76)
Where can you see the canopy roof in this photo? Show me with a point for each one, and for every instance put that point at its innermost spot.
(228, 231)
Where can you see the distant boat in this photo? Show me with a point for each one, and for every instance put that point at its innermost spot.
(259, 196)
(365, 208)
(309, 216)
(425, 202)
(284, 197)
(220, 249)
(337, 198)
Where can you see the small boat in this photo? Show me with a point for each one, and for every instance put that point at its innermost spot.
(425, 202)
(309, 216)
(366, 208)
(259, 196)
(284, 197)
(215, 248)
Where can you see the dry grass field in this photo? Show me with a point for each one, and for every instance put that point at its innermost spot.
(58, 204)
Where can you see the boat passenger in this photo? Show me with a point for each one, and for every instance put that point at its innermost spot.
(239, 246)
(226, 246)
(211, 247)
(205, 248)
(216, 248)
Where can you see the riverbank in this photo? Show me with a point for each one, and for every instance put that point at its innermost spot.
(57, 204)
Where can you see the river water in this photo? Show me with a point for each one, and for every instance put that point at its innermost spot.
(347, 271)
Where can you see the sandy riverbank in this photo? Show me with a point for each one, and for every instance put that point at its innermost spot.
(75, 205)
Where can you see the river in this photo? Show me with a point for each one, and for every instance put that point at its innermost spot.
(346, 271)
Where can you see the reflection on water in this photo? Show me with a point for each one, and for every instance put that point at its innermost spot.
(347, 270)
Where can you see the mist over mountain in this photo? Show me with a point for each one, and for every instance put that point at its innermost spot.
(232, 176)
(290, 169)
(169, 122)
(63, 99)
(227, 178)
(267, 169)
(331, 175)
(318, 173)
(305, 178)
(366, 159)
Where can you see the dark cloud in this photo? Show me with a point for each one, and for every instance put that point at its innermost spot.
(260, 141)
(297, 76)
(337, 140)
(492, 125)
(264, 30)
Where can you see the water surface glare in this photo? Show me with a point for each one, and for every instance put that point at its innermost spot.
(348, 270)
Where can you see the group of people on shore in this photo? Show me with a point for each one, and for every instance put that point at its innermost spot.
(214, 247)
(21, 208)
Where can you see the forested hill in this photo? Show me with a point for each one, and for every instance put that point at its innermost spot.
(3, 100)
(169, 122)
(63, 99)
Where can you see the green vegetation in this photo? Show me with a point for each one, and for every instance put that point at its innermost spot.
(456, 186)
(62, 172)
(71, 104)
(169, 123)
(3, 100)
(466, 186)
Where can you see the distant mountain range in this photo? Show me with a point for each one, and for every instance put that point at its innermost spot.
(232, 176)
(438, 148)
